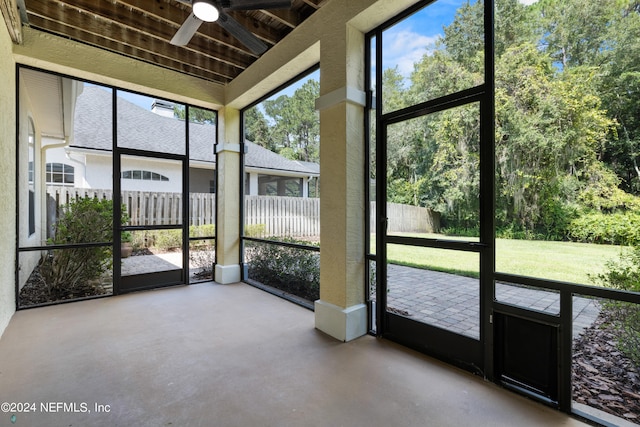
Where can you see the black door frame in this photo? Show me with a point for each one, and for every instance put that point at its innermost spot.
(474, 355)
(155, 279)
(137, 282)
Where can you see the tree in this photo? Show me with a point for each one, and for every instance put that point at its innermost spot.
(256, 128)
(551, 127)
(196, 115)
(394, 95)
(620, 91)
(294, 123)
(573, 32)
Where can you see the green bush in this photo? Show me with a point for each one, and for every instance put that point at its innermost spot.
(619, 228)
(624, 274)
(255, 230)
(204, 230)
(69, 271)
(167, 239)
(461, 231)
(293, 270)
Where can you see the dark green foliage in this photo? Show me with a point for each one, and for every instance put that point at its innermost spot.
(567, 133)
(624, 274)
(69, 271)
(620, 228)
(288, 125)
(296, 271)
(255, 230)
(204, 230)
(167, 239)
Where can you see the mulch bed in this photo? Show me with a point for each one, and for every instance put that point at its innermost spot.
(35, 292)
(603, 377)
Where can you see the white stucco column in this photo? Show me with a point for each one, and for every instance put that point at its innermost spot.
(228, 197)
(8, 178)
(341, 311)
(305, 187)
(253, 184)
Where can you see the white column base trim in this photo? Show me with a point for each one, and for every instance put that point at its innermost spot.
(344, 324)
(226, 274)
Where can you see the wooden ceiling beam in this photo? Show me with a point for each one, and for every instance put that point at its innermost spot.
(142, 29)
(264, 32)
(286, 17)
(112, 15)
(198, 67)
(311, 3)
(316, 4)
(173, 15)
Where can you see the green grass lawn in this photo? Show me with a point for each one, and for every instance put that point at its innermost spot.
(564, 261)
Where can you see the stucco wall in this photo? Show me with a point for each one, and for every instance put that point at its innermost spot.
(64, 56)
(7, 179)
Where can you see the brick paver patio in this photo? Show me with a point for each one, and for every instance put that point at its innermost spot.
(451, 302)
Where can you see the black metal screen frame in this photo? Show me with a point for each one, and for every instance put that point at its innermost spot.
(115, 152)
(482, 94)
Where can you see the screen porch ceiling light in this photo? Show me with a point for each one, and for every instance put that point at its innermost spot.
(205, 10)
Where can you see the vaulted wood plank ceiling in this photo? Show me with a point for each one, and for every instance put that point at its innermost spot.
(142, 29)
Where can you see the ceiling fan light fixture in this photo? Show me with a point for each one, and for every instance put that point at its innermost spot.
(205, 10)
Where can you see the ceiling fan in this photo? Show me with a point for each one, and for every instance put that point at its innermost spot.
(213, 10)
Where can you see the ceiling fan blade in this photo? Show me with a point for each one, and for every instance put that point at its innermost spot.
(257, 4)
(243, 35)
(186, 31)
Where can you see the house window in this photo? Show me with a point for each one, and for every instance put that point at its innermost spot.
(143, 175)
(212, 186)
(59, 174)
(271, 185)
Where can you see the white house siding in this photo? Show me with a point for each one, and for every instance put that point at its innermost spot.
(94, 170)
(58, 154)
(28, 260)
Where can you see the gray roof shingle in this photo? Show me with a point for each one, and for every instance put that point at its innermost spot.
(142, 129)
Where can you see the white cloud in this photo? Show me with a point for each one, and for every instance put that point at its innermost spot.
(528, 2)
(405, 47)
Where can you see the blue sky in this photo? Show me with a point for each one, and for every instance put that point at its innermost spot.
(407, 41)
(143, 101)
(140, 100)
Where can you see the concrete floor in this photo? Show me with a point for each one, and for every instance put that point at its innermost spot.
(231, 355)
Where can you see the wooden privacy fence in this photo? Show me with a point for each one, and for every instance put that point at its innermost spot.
(408, 219)
(143, 207)
(281, 216)
(284, 216)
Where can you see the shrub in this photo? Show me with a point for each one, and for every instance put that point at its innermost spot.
(461, 231)
(293, 270)
(620, 228)
(85, 220)
(167, 239)
(255, 230)
(204, 230)
(624, 274)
